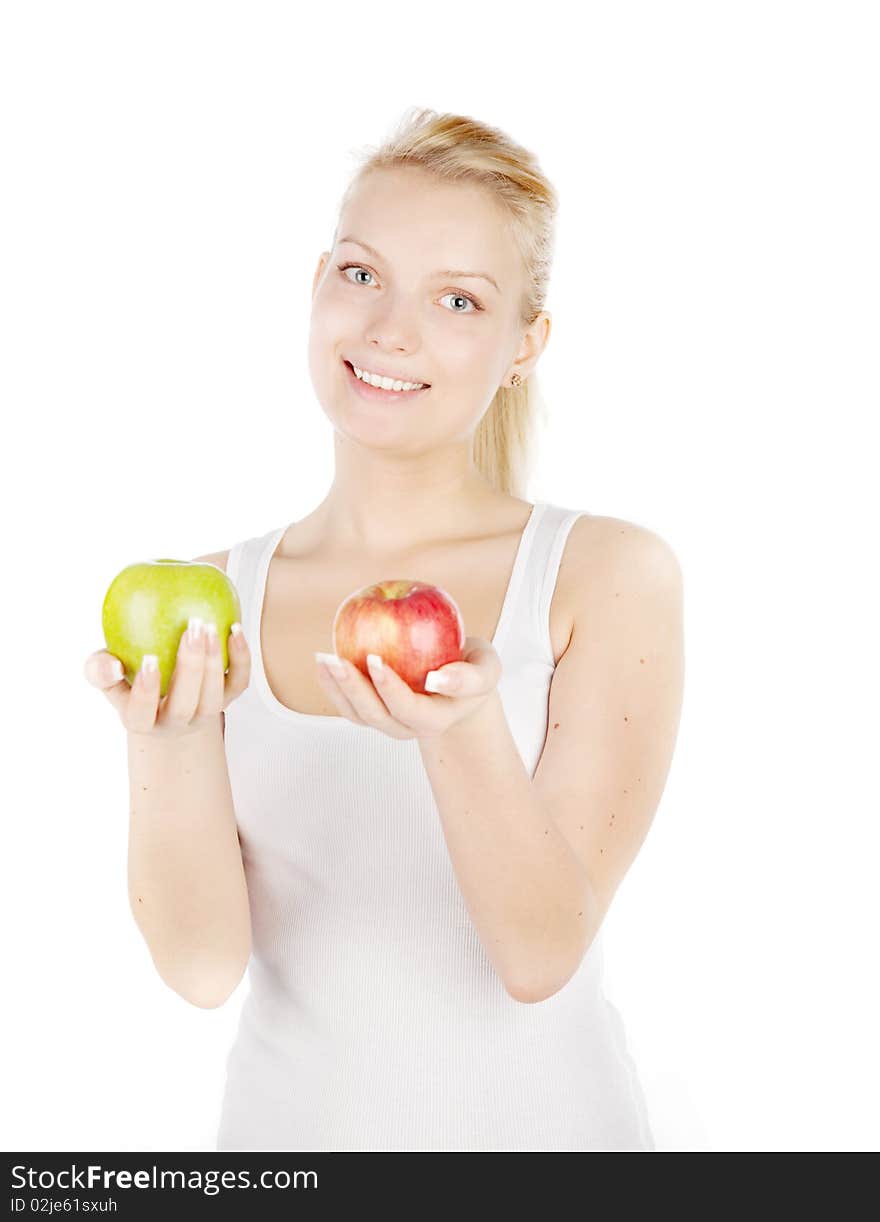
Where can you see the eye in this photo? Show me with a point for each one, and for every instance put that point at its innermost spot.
(343, 267)
(358, 267)
(464, 297)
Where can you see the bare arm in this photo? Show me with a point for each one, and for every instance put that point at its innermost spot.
(186, 878)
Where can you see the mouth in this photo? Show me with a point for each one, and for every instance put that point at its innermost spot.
(376, 393)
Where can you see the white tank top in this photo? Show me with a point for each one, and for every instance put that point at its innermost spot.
(374, 1018)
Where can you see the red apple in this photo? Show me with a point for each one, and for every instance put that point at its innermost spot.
(413, 626)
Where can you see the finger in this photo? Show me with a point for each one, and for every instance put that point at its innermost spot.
(403, 704)
(184, 689)
(139, 713)
(103, 669)
(476, 675)
(451, 680)
(340, 698)
(211, 698)
(359, 691)
(239, 674)
(368, 704)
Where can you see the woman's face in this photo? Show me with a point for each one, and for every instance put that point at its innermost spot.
(398, 311)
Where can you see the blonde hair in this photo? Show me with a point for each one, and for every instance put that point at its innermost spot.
(457, 148)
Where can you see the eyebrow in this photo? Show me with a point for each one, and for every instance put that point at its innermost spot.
(443, 271)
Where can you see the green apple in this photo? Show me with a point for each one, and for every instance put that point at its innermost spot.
(148, 605)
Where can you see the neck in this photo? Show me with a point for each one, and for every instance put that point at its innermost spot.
(382, 504)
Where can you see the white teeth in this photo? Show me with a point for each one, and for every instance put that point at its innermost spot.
(385, 383)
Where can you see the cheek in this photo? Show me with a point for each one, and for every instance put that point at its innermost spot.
(335, 319)
(323, 341)
(329, 325)
(472, 349)
(472, 367)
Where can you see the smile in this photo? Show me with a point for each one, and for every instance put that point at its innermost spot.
(379, 393)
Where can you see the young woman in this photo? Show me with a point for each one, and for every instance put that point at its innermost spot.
(417, 881)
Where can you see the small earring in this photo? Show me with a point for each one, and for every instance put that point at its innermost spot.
(515, 379)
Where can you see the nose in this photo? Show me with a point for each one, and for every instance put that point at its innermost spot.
(393, 333)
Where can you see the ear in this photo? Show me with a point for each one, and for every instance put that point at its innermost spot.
(534, 340)
(538, 334)
(322, 263)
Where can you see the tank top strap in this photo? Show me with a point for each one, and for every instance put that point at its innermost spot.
(530, 614)
(245, 567)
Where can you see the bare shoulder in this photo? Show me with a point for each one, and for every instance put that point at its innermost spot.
(607, 557)
(218, 558)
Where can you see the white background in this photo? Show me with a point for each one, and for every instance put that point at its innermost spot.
(171, 176)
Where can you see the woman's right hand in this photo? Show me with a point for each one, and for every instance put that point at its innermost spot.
(197, 692)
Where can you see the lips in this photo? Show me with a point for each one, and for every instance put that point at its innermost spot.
(375, 394)
(425, 385)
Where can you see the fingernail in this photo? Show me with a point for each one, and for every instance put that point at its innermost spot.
(436, 682)
(117, 671)
(335, 665)
(194, 629)
(236, 629)
(376, 666)
(149, 662)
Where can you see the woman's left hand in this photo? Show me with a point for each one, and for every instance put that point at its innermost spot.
(388, 703)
